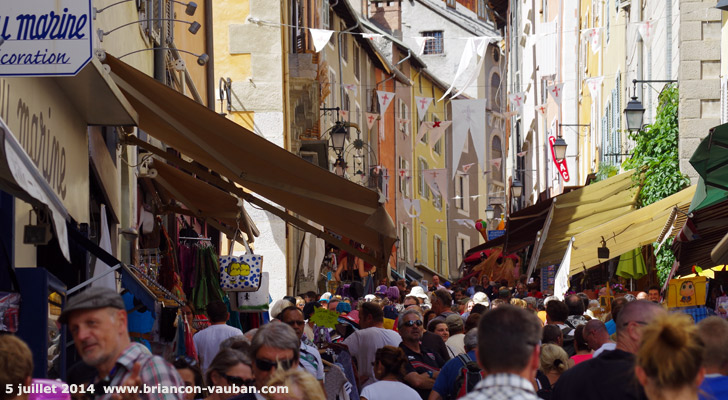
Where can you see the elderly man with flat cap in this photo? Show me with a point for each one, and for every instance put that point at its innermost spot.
(98, 322)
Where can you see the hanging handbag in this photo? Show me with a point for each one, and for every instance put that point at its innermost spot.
(241, 273)
(255, 301)
(10, 301)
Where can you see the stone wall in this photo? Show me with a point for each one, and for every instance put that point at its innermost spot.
(698, 75)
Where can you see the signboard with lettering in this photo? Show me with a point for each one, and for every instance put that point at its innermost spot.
(494, 234)
(560, 164)
(45, 37)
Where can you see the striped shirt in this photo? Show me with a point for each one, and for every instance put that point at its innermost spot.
(503, 387)
(154, 371)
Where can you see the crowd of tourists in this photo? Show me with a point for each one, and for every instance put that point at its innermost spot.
(406, 341)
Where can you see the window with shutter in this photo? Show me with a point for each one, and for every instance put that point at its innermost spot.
(423, 245)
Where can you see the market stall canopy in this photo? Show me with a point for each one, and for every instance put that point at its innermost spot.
(218, 207)
(260, 166)
(707, 227)
(625, 232)
(710, 161)
(580, 210)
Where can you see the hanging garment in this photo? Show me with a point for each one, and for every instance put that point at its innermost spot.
(187, 258)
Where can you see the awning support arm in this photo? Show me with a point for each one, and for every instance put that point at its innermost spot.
(232, 188)
(90, 281)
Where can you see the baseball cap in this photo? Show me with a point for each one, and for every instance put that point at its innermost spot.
(92, 298)
(381, 290)
(454, 320)
(325, 297)
(481, 298)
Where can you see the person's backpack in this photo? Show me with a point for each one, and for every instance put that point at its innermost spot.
(470, 374)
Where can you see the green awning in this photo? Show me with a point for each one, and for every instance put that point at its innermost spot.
(710, 160)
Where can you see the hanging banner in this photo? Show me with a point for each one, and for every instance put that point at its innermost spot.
(496, 162)
(560, 164)
(436, 179)
(320, 37)
(555, 91)
(371, 118)
(437, 131)
(595, 85)
(344, 114)
(420, 43)
(403, 124)
(423, 103)
(474, 46)
(481, 45)
(594, 37)
(412, 207)
(371, 36)
(517, 100)
(541, 109)
(354, 89)
(645, 29)
(468, 117)
(561, 282)
(467, 167)
(385, 99)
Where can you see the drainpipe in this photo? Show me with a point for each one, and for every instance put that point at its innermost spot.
(209, 44)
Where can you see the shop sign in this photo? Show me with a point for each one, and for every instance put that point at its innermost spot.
(45, 37)
(494, 234)
(560, 164)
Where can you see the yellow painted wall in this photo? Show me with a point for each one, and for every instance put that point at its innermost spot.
(237, 67)
(587, 142)
(432, 218)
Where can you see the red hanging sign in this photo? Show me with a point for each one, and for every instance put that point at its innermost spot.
(560, 164)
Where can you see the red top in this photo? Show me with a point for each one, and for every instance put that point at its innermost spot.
(581, 358)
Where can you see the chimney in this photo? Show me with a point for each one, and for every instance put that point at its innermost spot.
(387, 15)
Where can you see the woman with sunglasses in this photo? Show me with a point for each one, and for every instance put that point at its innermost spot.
(228, 368)
(389, 369)
(189, 371)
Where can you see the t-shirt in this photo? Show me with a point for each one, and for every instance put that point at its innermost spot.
(457, 342)
(580, 358)
(364, 344)
(310, 360)
(609, 346)
(609, 376)
(425, 360)
(434, 342)
(445, 382)
(714, 387)
(389, 390)
(207, 341)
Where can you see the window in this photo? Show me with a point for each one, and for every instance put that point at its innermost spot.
(462, 193)
(422, 187)
(404, 244)
(607, 17)
(437, 253)
(463, 246)
(404, 113)
(481, 10)
(423, 245)
(495, 91)
(357, 115)
(451, 3)
(344, 43)
(346, 103)
(325, 21)
(425, 136)
(496, 151)
(404, 183)
(356, 61)
(434, 45)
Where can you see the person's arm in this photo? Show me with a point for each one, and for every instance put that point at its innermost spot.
(419, 381)
(434, 396)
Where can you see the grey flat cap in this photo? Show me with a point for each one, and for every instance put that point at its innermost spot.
(95, 297)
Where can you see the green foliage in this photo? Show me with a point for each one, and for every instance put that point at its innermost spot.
(606, 171)
(664, 258)
(656, 153)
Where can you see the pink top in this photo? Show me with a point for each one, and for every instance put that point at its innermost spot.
(581, 358)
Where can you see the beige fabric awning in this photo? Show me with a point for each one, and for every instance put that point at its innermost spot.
(582, 209)
(258, 165)
(202, 200)
(626, 232)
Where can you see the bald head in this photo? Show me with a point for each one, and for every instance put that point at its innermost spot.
(632, 318)
(595, 334)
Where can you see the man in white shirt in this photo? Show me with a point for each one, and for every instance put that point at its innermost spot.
(364, 343)
(597, 337)
(456, 341)
(207, 341)
(309, 358)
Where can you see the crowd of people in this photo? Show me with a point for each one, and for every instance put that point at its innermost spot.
(406, 342)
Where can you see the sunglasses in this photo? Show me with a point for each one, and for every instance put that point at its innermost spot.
(266, 365)
(184, 362)
(238, 381)
(413, 322)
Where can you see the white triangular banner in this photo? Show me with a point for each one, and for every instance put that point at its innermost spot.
(555, 91)
(645, 29)
(594, 37)
(436, 179)
(517, 100)
(595, 86)
(437, 130)
(371, 119)
(403, 123)
(352, 88)
(371, 36)
(467, 167)
(496, 162)
(541, 109)
(474, 45)
(423, 103)
(561, 281)
(481, 45)
(320, 38)
(468, 117)
(344, 115)
(385, 99)
(420, 42)
(413, 208)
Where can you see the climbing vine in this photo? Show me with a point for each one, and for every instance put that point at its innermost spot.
(655, 155)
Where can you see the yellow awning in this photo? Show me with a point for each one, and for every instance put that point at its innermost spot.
(582, 209)
(626, 232)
